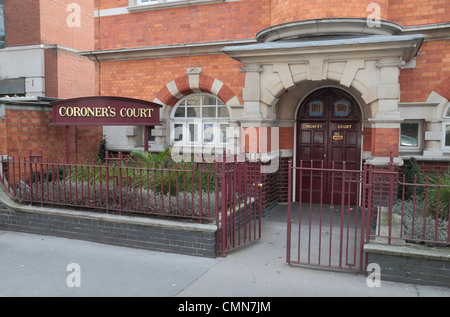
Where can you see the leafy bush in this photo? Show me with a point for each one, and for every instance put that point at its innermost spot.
(438, 197)
(102, 150)
(153, 171)
(412, 176)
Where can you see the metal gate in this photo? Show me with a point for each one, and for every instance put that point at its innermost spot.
(238, 188)
(332, 234)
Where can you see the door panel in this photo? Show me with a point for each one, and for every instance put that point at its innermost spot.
(328, 130)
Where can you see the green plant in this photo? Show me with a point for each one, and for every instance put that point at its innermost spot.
(438, 196)
(102, 150)
(152, 171)
(412, 176)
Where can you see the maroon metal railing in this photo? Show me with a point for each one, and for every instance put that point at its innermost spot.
(338, 210)
(239, 183)
(225, 192)
(423, 217)
(180, 190)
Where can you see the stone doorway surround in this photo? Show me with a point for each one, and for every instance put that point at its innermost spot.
(291, 59)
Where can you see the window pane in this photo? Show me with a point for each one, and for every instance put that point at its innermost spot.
(223, 132)
(222, 112)
(194, 100)
(208, 132)
(447, 114)
(315, 109)
(409, 134)
(2, 25)
(193, 132)
(209, 112)
(193, 112)
(342, 108)
(178, 132)
(180, 112)
(209, 100)
(447, 135)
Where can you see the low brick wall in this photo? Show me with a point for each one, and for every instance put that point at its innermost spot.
(136, 232)
(409, 263)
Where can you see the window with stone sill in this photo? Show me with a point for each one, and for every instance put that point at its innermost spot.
(410, 136)
(446, 130)
(142, 2)
(143, 5)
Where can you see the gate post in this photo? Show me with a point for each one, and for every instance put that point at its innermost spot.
(223, 209)
(365, 209)
(289, 221)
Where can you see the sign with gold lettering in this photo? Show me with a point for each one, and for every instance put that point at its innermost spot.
(312, 126)
(105, 111)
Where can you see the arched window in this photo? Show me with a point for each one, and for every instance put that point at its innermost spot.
(199, 119)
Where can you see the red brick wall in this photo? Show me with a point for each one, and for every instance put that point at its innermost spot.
(29, 22)
(283, 11)
(51, 72)
(382, 142)
(416, 12)
(24, 130)
(22, 22)
(443, 88)
(433, 66)
(68, 75)
(76, 75)
(191, 24)
(143, 79)
(54, 27)
(108, 4)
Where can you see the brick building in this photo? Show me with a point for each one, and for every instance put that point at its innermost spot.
(308, 80)
(327, 80)
(40, 62)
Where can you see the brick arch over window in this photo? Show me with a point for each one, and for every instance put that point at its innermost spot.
(171, 93)
(443, 89)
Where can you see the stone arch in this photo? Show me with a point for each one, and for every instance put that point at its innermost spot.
(287, 77)
(173, 91)
(185, 85)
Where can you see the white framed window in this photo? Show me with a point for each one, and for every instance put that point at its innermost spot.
(143, 2)
(446, 130)
(199, 119)
(144, 5)
(411, 136)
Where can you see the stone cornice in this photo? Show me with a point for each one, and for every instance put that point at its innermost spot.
(375, 46)
(163, 51)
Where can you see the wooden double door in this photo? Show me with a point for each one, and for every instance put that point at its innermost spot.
(328, 130)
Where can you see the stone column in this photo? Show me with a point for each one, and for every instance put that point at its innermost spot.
(433, 136)
(383, 98)
(251, 94)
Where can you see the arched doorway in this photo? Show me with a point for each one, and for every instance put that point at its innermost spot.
(328, 133)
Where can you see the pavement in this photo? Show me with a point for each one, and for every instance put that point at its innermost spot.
(45, 266)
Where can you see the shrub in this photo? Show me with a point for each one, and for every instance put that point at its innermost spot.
(441, 205)
(412, 176)
(102, 150)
